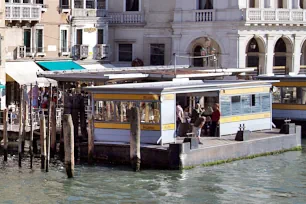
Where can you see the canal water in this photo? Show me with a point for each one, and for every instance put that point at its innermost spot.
(272, 179)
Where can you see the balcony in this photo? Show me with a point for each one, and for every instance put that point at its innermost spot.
(89, 12)
(275, 16)
(101, 51)
(22, 12)
(126, 18)
(80, 51)
(204, 15)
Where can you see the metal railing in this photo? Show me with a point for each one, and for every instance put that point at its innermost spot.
(126, 18)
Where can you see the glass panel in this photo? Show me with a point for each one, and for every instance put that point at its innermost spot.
(256, 105)
(79, 37)
(27, 39)
(301, 95)
(157, 54)
(90, 4)
(236, 105)
(289, 95)
(122, 110)
(101, 4)
(149, 112)
(125, 52)
(265, 103)
(246, 104)
(277, 95)
(226, 106)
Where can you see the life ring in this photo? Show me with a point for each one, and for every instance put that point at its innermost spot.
(137, 63)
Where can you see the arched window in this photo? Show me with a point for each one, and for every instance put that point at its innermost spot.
(301, 4)
(280, 53)
(279, 4)
(280, 46)
(132, 5)
(205, 4)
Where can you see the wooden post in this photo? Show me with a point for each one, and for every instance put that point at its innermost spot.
(20, 127)
(69, 144)
(48, 148)
(53, 128)
(42, 140)
(31, 127)
(91, 144)
(5, 139)
(25, 105)
(135, 139)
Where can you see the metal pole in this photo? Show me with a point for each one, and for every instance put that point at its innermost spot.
(31, 127)
(174, 64)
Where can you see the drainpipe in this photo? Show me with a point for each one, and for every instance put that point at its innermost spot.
(238, 54)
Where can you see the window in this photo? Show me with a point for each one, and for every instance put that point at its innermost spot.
(64, 46)
(79, 35)
(132, 5)
(301, 4)
(65, 4)
(246, 104)
(301, 95)
(118, 111)
(90, 4)
(100, 36)
(39, 40)
(226, 106)
(277, 95)
(236, 105)
(205, 4)
(78, 4)
(265, 103)
(289, 95)
(39, 1)
(280, 4)
(125, 52)
(101, 4)
(27, 39)
(157, 52)
(251, 3)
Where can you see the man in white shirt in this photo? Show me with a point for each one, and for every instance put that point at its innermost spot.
(179, 117)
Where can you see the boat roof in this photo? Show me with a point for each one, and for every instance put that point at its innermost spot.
(283, 77)
(177, 86)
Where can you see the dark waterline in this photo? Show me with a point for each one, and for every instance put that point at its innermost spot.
(272, 179)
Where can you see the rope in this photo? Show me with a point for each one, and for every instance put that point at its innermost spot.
(194, 57)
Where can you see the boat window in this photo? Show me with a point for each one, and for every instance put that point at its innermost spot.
(277, 95)
(246, 104)
(265, 102)
(236, 105)
(256, 104)
(289, 95)
(301, 95)
(149, 112)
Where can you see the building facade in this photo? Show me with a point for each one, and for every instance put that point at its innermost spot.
(2, 56)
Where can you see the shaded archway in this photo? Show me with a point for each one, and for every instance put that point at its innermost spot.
(205, 46)
(303, 59)
(255, 54)
(282, 56)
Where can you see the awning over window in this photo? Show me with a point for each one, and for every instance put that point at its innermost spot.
(60, 65)
(25, 73)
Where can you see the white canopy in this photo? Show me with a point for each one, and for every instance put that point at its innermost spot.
(25, 73)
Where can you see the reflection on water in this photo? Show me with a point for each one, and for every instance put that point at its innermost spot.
(272, 179)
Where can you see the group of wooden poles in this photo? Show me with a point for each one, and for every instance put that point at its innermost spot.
(48, 136)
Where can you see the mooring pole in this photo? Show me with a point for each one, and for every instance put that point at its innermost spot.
(25, 105)
(135, 139)
(53, 128)
(91, 144)
(31, 127)
(69, 144)
(20, 127)
(42, 140)
(5, 139)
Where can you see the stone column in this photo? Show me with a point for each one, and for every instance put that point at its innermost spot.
(232, 52)
(72, 4)
(297, 54)
(269, 54)
(261, 64)
(242, 44)
(261, 4)
(84, 4)
(269, 3)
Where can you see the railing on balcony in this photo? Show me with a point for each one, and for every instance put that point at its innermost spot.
(126, 18)
(22, 12)
(257, 15)
(89, 12)
(101, 51)
(204, 15)
(80, 51)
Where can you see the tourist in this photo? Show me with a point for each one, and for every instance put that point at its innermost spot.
(196, 113)
(179, 117)
(197, 128)
(215, 118)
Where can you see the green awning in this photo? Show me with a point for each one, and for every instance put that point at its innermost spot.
(60, 65)
(2, 86)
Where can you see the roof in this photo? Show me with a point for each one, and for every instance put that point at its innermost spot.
(283, 77)
(25, 73)
(59, 65)
(176, 86)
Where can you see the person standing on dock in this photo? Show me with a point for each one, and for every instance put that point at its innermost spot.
(196, 113)
(197, 128)
(215, 118)
(179, 118)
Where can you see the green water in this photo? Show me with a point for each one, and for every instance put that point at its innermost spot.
(272, 179)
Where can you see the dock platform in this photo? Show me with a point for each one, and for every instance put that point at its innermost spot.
(183, 155)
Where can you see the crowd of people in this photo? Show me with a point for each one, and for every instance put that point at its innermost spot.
(202, 121)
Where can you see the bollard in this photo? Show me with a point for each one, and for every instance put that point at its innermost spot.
(135, 139)
(5, 139)
(31, 127)
(20, 127)
(53, 128)
(69, 144)
(42, 140)
(91, 144)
